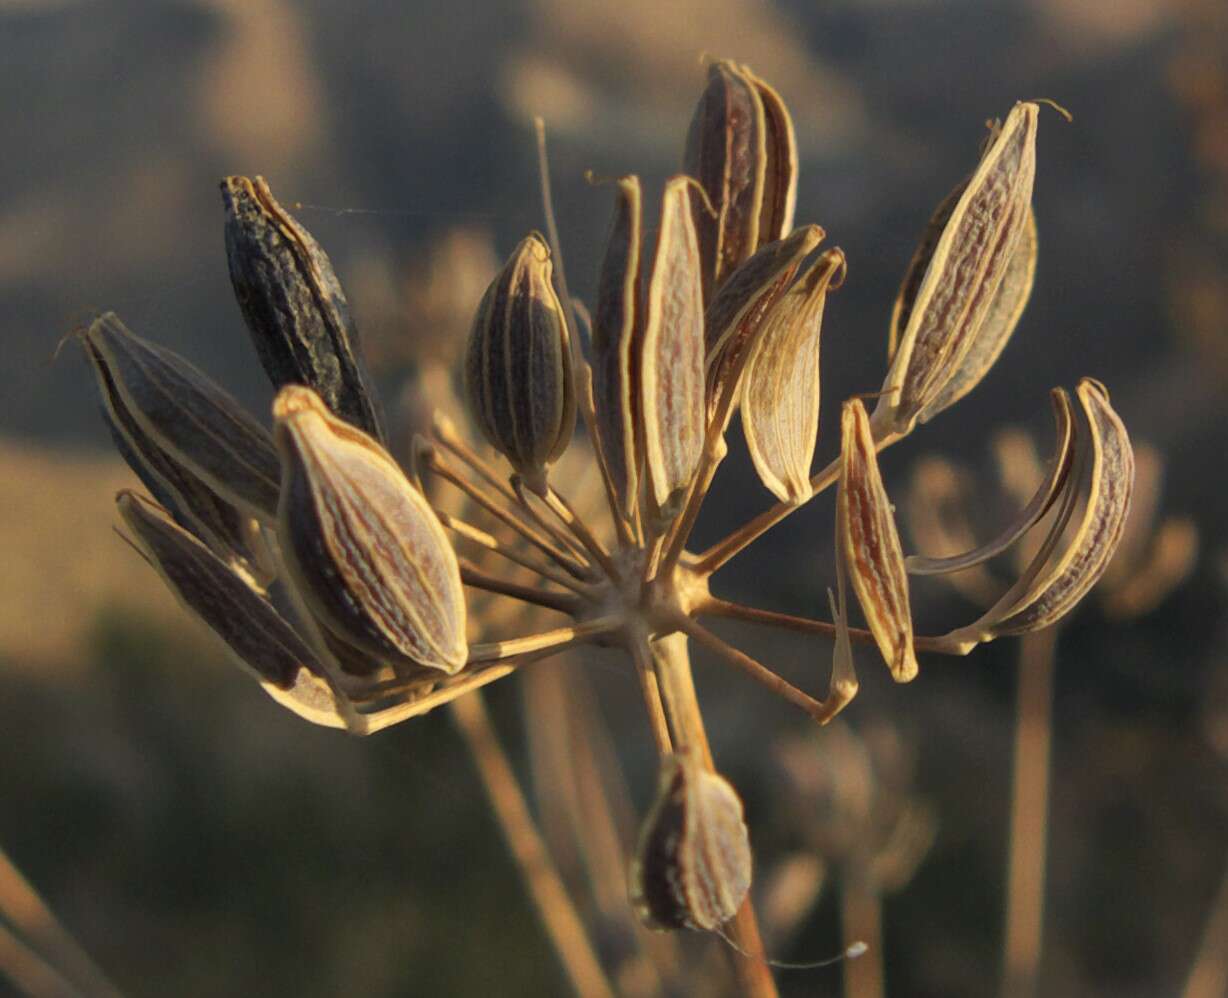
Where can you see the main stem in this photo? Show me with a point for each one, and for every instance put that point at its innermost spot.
(672, 660)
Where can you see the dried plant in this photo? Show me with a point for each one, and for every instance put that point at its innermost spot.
(339, 584)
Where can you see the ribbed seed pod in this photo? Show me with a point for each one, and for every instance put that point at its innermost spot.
(964, 273)
(618, 333)
(692, 868)
(518, 378)
(296, 312)
(364, 548)
(189, 417)
(869, 545)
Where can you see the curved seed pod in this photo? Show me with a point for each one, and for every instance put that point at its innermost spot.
(1003, 316)
(733, 320)
(295, 310)
(869, 545)
(726, 151)
(189, 417)
(673, 355)
(964, 273)
(1052, 486)
(617, 348)
(233, 537)
(1055, 583)
(518, 378)
(364, 548)
(257, 635)
(780, 392)
(692, 868)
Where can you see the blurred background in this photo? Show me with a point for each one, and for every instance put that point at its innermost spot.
(198, 840)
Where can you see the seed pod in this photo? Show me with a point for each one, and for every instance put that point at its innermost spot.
(741, 148)
(1062, 573)
(780, 393)
(257, 635)
(726, 151)
(692, 867)
(365, 550)
(1052, 487)
(964, 272)
(188, 417)
(735, 317)
(293, 304)
(618, 346)
(673, 355)
(518, 377)
(233, 537)
(869, 545)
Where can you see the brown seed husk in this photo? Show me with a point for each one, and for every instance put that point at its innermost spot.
(295, 310)
(780, 168)
(964, 273)
(618, 347)
(692, 867)
(189, 417)
(726, 151)
(1051, 488)
(1061, 575)
(781, 384)
(232, 536)
(735, 316)
(673, 355)
(519, 384)
(869, 544)
(257, 635)
(365, 550)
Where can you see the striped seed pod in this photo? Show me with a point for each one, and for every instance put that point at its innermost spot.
(364, 548)
(519, 383)
(741, 149)
(868, 544)
(672, 373)
(618, 332)
(692, 868)
(188, 416)
(947, 314)
(295, 310)
(259, 638)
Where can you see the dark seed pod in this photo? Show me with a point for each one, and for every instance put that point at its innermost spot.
(693, 865)
(364, 549)
(258, 637)
(295, 309)
(518, 379)
(187, 416)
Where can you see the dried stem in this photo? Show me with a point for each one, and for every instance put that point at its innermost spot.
(744, 536)
(652, 696)
(821, 711)
(478, 495)
(491, 543)
(672, 662)
(556, 640)
(473, 576)
(26, 911)
(1029, 813)
(861, 920)
(558, 915)
(1209, 975)
(562, 509)
(29, 972)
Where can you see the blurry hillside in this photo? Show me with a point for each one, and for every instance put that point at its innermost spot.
(201, 842)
